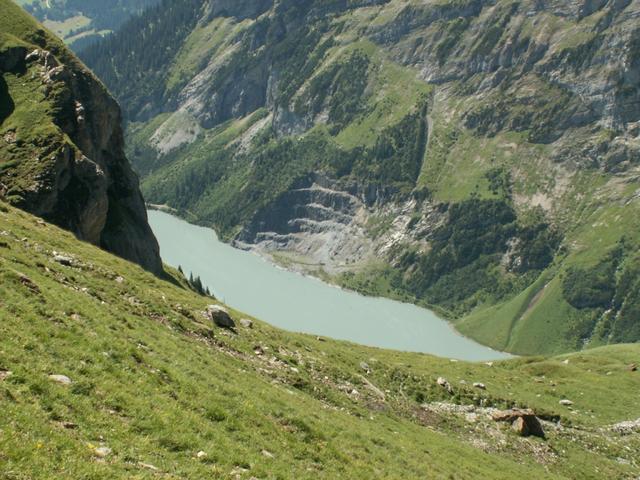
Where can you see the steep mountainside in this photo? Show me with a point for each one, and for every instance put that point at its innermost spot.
(61, 144)
(82, 22)
(481, 157)
(108, 372)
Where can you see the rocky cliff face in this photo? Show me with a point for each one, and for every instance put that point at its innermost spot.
(588, 67)
(321, 225)
(465, 154)
(62, 147)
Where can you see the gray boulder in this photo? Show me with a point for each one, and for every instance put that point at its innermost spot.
(63, 260)
(220, 316)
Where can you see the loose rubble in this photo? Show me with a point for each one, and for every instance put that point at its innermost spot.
(627, 428)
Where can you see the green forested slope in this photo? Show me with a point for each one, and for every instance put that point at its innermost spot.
(477, 157)
(157, 390)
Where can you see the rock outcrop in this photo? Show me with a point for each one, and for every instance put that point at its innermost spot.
(64, 149)
(61, 379)
(317, 219)
(523, 421)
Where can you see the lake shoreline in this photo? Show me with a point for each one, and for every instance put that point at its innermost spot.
(402, 326)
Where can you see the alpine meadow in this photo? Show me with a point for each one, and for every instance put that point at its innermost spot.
(433, 207)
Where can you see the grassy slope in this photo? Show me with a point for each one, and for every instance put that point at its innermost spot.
(153, 382)
(540, 324)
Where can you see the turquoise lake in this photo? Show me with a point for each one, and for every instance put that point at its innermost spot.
(294, 302)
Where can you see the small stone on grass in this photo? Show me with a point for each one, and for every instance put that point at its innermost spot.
(61, 379)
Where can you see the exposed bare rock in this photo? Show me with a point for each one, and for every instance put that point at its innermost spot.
(523, 421)
(85, 183)
(372, 388)
(318, 220)
(246, 323)
(63, 260)
(444, 384)
(627, 428)
(520, 427)
(220, 316)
